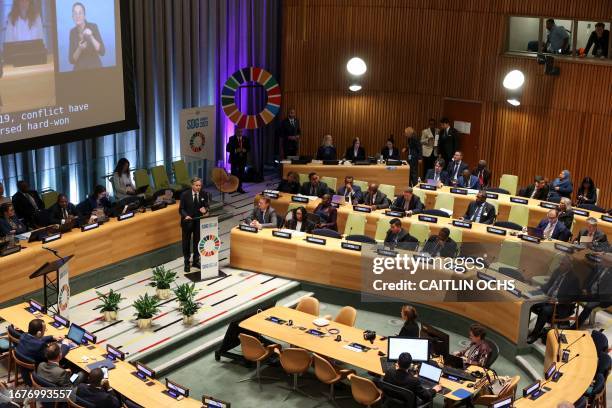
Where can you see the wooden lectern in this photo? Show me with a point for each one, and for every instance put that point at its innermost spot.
(50, 283)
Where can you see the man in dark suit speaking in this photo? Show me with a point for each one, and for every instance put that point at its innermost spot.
(480, 211)
(194, 203)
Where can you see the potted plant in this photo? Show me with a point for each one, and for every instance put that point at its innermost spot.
(186, 291)
(189, 308)
(110, 304)
(146, 307)
(161, 280)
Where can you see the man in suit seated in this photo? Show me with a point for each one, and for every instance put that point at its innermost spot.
(28, 204)
(538, 190)
(352, 193)
(263, 216)
(194, 203)
(598, 288)
(594, 238)
(456, 166)
(467, 180)
(375, 199)
(314, 187)
(408, 203)
(51, 370)
(441, 245)
(399, 237)
(480, 211)
(552, 228)
(401, 376)
(438, 174)
(98, 391)
(62, 211)
(562, 288)
(33, 344)
(483, 174)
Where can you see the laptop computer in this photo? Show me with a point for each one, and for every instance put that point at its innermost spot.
(453, 361)
(75, 336)
(429, 375)
(535, 232)
(338, 199)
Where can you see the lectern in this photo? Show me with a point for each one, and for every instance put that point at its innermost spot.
(50, 280)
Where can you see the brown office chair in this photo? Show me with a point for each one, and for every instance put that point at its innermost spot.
(37, 384)
(347, 316)
(253, 350)
(508, 390)
(308, 305)
(330, 375)
(364, 391)
(13, 342)
(295, 361)
(224, 182)
(21, 364)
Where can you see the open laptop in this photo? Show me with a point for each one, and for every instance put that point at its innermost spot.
(75, 336)
(429, 375)
(535, 232)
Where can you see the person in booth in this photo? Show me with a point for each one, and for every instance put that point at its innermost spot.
(62, 211)
(441, 245)
(314, 187)
(438, 176)
(263, 215)
(298, 221)
(401, 376)
(587, 192)
(480, 211)
(552, 228)
(9, 223)
(408, 202)
(351, 193)
(399, 237)
(477, 353)
(194, 203)
(457, 166)
(483, 174)
(328, 214)
(86, 44)
(28, 204)
(291, 184)
(467, 180)
(327, 150)
(389, 151)
(33, 344)
(238, 148)
(375, 199)
(355, 152)
(97, 200)
(411, 326)
(538, 190)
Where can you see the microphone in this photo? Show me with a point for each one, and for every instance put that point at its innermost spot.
(574, 342)
(557, 374)
(561, 337)
(53, 251)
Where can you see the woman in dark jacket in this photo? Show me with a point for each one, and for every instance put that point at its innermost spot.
(298, 221)
(566, 215)
(587, 193)
(355, 152)
(9, 223)
(411, 327)
(327, 150)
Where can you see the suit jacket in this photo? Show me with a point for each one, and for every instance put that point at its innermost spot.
(350, 154)
(356, 195)
(97, 396)
(486, 176)
(6, 227)
(487, 215)
(327, 153)
(472, 183)
(286, 130)
(188, 207)
(560, 232)
(56, 215)
(427, 142)
(395, 154)
(569, 284)
(402, 236)
(90, 204)
(567, 218)
(380, 201)
(450, 169)
(403, 379)
(232, 147)
(415, 205)
(599, 242)
(447, 250)
(448, 142)
(541, 194)
(33, 347)
(443, 176)
(307, 226)
(55, 374)
(321, 189)
(287, 187)
(414, 150)
(267, 220)
(23, 206)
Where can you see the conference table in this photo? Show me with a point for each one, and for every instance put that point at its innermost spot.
(397, 176)
(111, 242)
(327, 346)
(121, 378)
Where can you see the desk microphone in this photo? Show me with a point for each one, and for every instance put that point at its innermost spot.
(558, 372)
(574, 342)
(561, 337)
(53, 251)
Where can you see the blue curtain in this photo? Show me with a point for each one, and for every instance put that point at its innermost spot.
(184, 50)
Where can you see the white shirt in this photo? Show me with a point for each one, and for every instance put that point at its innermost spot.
(22, 31)
(298, 226)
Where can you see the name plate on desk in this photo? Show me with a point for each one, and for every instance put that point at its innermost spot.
(281, 234)
(428, 218)
(271, 194)
(578, 211)
(461, 191)
(428, 187)
(529, 238)
(496, 231)
(248, 228)
(360, 208)
(315, 240)
(607, 218)
(126, 216)
(175, 390)
(515, 292)
(564, 248)
(351, 246)
(299, 199)
(398, 214)
(485, 277)
(10, 250)
(89, 227)
(518, 200)
(386, 252)
(493, 196)
(462, 224)
(550, 206)
(51, 238)
(593, 258)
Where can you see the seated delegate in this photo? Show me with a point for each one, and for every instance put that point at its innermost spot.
(314, 187)
(538, 190)
(592, 236)
(123, 186)
(477, 353)
(291, 184)
(28, 205)
(355, 152)
(328, 214)
(401, 376)
(438, 176)
(62, 211)
(98, 391)
(375, 199)
(483, 174)
(441, 245)
(263, 215)
(552, 228)
(33, 344)
(587, 192)
(410, 328)
(327, 150)
(566, 214)
(467, 180)
(480, 211)
(561, 186)
(352, 194)
(51, 371)
(408, 202)
(398, 237)
(456, 166)
(390, 151)
(298, 221)
(95, 205)
(9, 223)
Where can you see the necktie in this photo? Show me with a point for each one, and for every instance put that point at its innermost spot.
(477, 213)
(456, 170)
(535, 190)
(406, 205)
(263, 217)
(240, 143)
(481, 178)
(196, 200)
(436, 177)
(32, 201)
(554, 289)
(65, 213)
(549, 230)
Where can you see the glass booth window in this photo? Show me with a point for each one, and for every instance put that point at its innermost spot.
(523, 34)
(558, 36)
(593, 39)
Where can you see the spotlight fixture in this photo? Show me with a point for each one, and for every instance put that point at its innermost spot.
(355, 87)
(514, 80)
(356, 66)
(513, 101)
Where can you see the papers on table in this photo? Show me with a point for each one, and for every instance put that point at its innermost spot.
(24, 237)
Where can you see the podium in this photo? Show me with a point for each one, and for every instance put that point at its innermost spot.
(51, 280)
(208, 248)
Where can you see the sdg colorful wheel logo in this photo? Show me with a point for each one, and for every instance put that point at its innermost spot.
(197, 142)
(209, 245)
(228, 97)
(64, 296)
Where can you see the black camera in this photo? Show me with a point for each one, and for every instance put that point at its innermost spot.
(369, 335)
